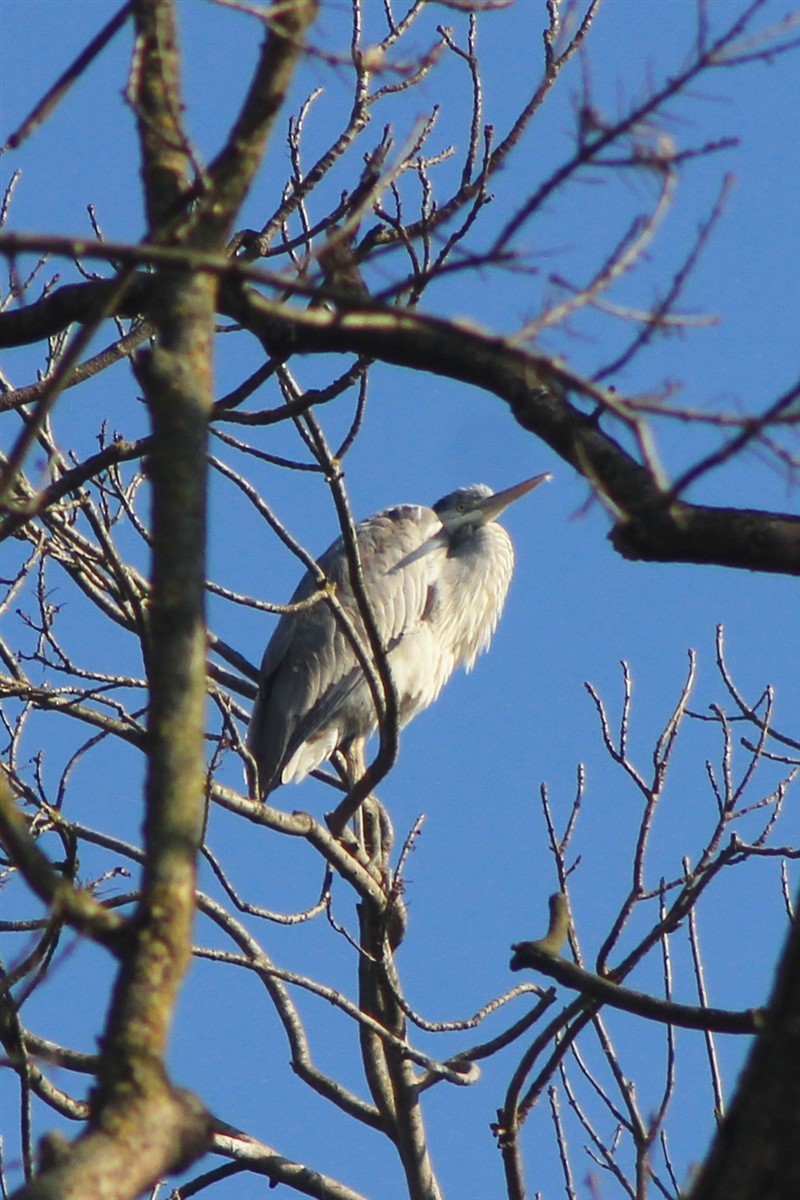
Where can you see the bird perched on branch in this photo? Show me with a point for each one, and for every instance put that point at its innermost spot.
(436, 580)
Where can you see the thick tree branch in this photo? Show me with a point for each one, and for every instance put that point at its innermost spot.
(650, 524)
(141, 1125)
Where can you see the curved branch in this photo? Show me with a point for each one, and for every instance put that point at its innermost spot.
(650, 524)
(687, 1016)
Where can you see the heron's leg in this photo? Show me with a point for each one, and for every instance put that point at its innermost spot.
(340, 764)
(371, 825)
(378, 834)
(355, 765)
(251, 777)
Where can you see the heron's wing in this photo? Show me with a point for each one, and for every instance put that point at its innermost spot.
(310, 674)
(284, 684)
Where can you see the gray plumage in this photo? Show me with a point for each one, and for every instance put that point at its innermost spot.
(437, 580)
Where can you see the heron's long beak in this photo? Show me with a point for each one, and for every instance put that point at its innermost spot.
(492, 506)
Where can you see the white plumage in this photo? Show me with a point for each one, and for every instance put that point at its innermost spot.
(437, 579)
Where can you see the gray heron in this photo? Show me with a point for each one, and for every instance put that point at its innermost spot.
(437, 580)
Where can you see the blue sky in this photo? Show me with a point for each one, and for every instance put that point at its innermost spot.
(481, 873)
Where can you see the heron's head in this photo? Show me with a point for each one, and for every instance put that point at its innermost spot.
(469, 507)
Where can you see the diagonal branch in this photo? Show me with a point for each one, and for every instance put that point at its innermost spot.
(650, 523)
(687, 1016)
